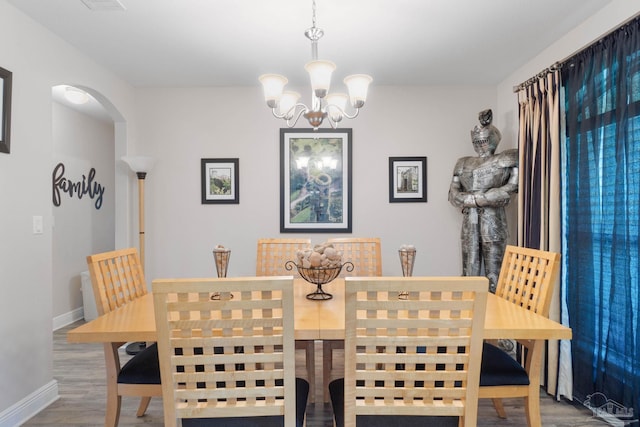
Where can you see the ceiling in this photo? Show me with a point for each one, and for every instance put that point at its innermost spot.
(231, 42)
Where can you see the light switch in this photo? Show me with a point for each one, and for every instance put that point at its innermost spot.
(37, 224)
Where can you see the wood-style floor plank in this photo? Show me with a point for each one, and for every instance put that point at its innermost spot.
(79, 370)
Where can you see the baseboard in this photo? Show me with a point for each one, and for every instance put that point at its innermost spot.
(30, 406)
(67, 318)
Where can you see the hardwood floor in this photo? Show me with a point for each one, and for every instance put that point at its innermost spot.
(79, 370)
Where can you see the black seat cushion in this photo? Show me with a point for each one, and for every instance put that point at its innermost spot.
(499, 368)
(302, 394)
(143, 368)
(336, 392)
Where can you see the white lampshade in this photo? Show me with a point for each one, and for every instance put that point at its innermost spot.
(139, 163)
(320, 74)
(358, 85)
(287, 102)
(336, 103)
(273, 85)
(76, 96)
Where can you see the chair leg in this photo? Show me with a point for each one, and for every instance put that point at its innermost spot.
(144, 404)
(532, 410)
(497, 404)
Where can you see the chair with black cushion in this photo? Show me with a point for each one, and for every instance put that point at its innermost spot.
(527, 278)
(413, 362)
(117, 279)
(365, 253)
(272, 255)
(230, 361)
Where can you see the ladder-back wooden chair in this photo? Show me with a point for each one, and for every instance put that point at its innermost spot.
(231, 361)
(272, 255)
(406, 360)
(117, 278)
(365, 253)
(527, 278)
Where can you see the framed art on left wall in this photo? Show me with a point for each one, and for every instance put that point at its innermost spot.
(220, 181)
(6, 79)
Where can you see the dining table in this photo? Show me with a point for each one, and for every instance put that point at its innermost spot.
(314, 319)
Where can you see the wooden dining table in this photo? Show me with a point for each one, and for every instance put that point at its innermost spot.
(314, 320)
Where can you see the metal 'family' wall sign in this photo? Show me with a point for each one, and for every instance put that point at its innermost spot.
(86, 186)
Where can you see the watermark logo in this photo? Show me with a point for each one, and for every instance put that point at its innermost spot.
(609, 410)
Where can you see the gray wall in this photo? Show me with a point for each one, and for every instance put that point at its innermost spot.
(80, 142)
(178, 127)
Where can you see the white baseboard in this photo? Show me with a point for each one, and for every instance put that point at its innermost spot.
(30, 405)
(67, 318)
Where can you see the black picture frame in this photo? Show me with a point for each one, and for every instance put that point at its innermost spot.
(220, 181)
(6, 83)
(315, 181)
(407, 179)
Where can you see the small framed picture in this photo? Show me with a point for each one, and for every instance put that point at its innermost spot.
(407, 179)
(220, 181)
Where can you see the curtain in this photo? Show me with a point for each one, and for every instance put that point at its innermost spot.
(601, 215)
(539, 195)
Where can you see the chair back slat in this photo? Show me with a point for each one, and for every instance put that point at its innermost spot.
(415, 356)
(274, 253)
(363, 252)
(116, 277)
(228, 357)
(527, 277)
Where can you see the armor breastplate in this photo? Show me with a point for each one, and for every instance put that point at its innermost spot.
(484, 176)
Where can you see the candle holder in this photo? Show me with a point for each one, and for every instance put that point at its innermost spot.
(407, 257)
(319, 276)
(221, 256)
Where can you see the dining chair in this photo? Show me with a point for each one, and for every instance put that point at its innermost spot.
(272, 255)
(230, 361)
(365, 254)
(117, 278)
(527, 278)
(408, 361)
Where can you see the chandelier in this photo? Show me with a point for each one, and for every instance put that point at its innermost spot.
(284, 104)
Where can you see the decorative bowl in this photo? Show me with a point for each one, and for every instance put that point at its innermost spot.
(319, 276)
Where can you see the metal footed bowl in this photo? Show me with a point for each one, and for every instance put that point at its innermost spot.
(319, 276)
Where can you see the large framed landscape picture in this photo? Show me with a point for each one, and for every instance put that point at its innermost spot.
(315, 180)
(220, 181)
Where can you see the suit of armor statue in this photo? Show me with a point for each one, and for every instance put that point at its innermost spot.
(481, 187)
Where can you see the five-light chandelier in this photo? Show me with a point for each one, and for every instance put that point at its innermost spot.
(284, 104)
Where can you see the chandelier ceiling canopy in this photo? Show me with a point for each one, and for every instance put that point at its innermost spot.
(324, 105)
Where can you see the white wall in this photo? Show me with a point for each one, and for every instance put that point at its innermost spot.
(178, 127)
(38, 61)
(80, 143)
(607, 19)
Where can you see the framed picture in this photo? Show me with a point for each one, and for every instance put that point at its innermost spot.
(220, 179)
(315, 181)
(5, 110)
(407, 179)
